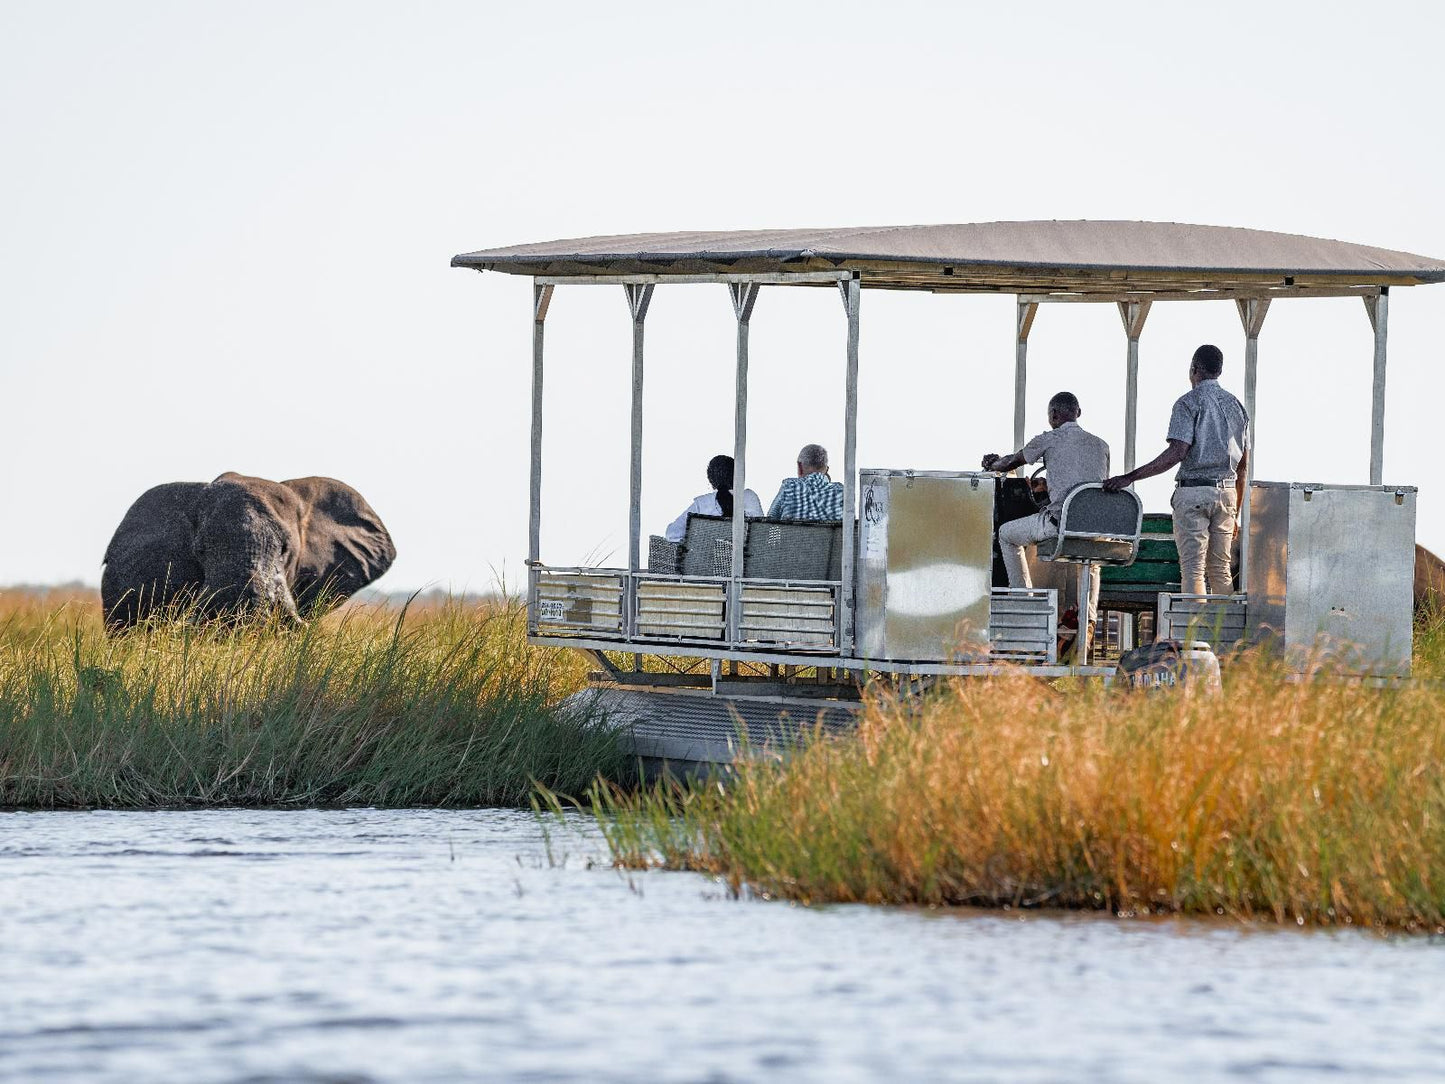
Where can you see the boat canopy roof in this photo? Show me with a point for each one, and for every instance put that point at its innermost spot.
(1087, 257)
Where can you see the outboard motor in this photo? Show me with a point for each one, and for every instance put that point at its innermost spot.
(1172, 664)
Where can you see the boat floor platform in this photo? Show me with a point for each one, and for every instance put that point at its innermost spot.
(696, 727)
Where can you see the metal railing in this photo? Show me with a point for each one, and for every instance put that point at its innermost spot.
(679, 608)
(588, 602)
(1218, 620)
(657, 608)
(660, 609)
(1023, 624)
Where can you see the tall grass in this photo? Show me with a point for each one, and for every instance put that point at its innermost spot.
(446, 705)
(1316, 802)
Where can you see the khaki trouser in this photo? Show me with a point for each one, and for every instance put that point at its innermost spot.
(1029, 531)
(1204, 522)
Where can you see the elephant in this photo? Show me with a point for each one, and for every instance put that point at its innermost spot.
(1429, 582)
(242, 546)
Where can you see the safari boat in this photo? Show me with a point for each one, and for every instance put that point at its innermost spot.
(772, 625)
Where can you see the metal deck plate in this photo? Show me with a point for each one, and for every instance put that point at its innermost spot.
(707, 729)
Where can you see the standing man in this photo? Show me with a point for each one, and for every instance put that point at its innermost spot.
(1072, 457)
(1209, 440)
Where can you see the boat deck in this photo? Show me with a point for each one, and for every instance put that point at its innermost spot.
(691, 728)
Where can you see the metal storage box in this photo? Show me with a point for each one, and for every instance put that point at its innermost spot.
(925, 564)
(1331, 570)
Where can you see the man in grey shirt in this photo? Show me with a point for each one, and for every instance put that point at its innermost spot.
(1209, 441)
(1072, 457)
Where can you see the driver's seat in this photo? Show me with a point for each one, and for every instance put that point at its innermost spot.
(1096, 527)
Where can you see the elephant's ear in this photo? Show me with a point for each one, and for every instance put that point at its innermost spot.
(344, 544)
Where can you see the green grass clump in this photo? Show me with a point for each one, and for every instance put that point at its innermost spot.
(1318, 802)
(437, 706)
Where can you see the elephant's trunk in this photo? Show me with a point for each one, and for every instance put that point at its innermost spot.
(262, 593)
(247, 554)
(278, 598)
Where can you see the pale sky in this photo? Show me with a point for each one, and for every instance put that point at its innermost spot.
(225, 230)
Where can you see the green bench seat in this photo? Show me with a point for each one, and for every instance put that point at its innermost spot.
(1156, 569)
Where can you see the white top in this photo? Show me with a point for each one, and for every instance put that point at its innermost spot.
(707, 505)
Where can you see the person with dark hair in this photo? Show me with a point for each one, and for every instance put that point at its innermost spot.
(1072, 456)
(1208, 440)
(718, 502)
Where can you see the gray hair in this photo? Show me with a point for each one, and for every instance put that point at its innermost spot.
(813, 457)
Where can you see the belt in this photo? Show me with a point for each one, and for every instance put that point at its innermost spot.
(1215, 482)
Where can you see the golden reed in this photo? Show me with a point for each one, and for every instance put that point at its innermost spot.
(1318, 802)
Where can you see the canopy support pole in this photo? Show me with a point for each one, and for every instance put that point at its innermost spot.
(1251, 315)
(541, 300)
(1133, 313)
(1252, 312)
(851, 290)
(1027, 310)
(638, 298)
(744, 296)
(1379, 310)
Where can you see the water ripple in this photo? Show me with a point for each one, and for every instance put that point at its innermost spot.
(367, 946)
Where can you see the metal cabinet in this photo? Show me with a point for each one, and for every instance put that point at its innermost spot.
(924, 564)
(1330, 573)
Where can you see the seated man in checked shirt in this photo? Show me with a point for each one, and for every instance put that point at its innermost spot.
(812, 494)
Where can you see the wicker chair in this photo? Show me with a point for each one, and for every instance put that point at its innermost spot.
(664, 557)
(708, 546)
(773, 549)
(789, 549)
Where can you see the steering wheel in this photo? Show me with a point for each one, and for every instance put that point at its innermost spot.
(1040, 499)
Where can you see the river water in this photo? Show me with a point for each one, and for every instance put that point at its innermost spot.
(409, 946)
